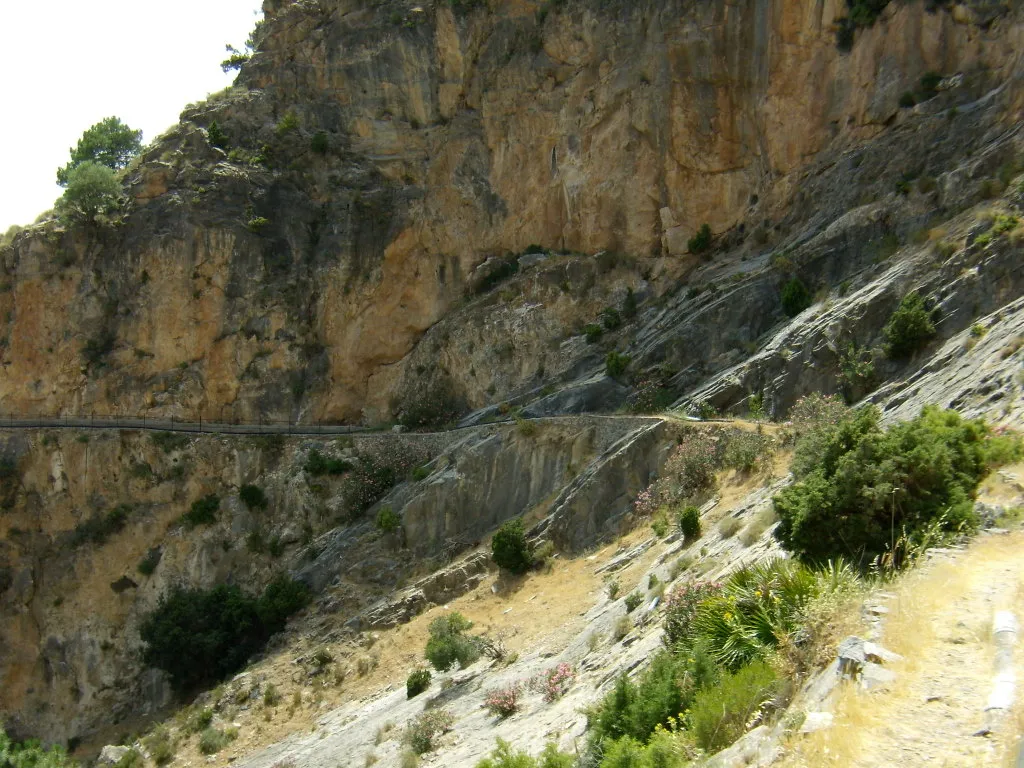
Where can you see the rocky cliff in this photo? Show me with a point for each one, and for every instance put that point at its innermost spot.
(372, 158)
(443, 211)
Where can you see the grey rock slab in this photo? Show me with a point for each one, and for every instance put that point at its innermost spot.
(816, 721)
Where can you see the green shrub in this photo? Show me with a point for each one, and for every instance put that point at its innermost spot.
(387, 520)
(271, 696)
(131, 759)
(421, 734)
(257, 223)
(198, 720)
(149, 562)
(659, 524)
(909, 327)
(160, 746)
(202, 512)
(610, 318)
(221, 627)
(503, 756)
(255, 543)
(689, 522)
(92, 189)
(216, 136)
(720, 714)
(691, 466)
(448, 643)
(100, 526)
(252, 496)
(795, 297)
(856, 372)
(613, 588)
(593, 332)
(109, 143)
(1003, 447)
(275, 547)
(633, 600)
(616, 364)
(812, 418)
(319, 143)
(288, 123)
(510, 549)
(907, 100)
(235, 60)
(317, 464)
(745, 451)
(930, 83)
(213, 740)
(700, 242)
(168, 442)
(31, 754)
(864, 486)
(662, 691)
(417, 682)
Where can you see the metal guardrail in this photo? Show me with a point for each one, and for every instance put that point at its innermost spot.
(262, 427)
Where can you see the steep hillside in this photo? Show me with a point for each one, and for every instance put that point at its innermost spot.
(485, 221)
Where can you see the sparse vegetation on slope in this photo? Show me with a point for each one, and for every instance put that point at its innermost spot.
(222, 627)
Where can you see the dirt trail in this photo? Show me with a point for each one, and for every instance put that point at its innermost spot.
(940, 619)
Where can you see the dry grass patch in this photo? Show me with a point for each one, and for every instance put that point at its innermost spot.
(940, 621)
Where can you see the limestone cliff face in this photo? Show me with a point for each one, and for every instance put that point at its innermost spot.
(79, 513)
(376, 155)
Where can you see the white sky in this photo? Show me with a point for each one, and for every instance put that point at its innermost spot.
(67, 64)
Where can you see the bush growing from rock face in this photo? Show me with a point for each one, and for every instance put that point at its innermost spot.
(417, 682)
(221, 627)
(909, 328)
(633, 600)
(448, 643)
(866, 485)
(593, 332)
(317, 464)
(510, 549)
(615, 364)
(689, 522)
(421, 734)
(253, 496)
(700, 242)
(719, 715)
(795, 297)
(203, 511)
(387, 520)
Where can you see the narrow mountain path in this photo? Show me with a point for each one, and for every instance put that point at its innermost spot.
(940, 619)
